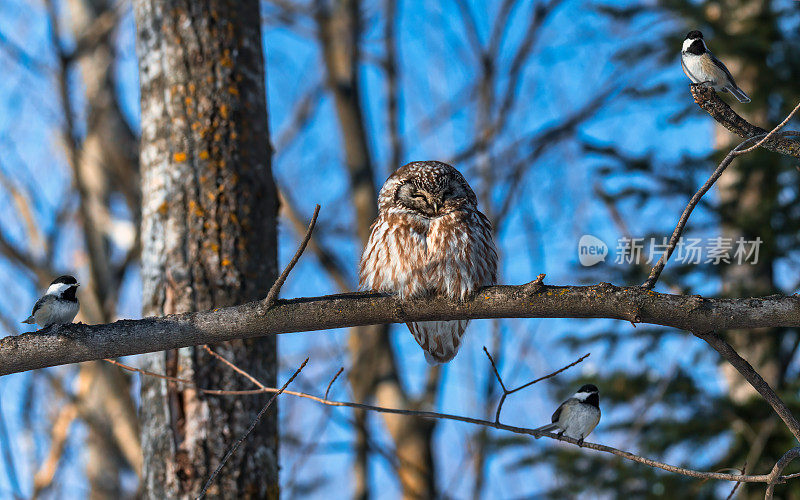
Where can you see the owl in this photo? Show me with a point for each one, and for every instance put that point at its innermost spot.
(429, 239)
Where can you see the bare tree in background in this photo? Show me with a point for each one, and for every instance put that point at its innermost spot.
(339, 28)
(101, 154)
(209, 237)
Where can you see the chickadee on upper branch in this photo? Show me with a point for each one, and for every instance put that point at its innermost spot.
(701, 66)
(58, 305)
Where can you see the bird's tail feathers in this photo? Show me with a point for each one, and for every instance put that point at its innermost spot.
(439, 339)
(738, 94)
(431, 360)
(545, 428)
(30, 320)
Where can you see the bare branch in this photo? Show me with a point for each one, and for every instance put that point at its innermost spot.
(652, 279)
(249, 430)
(328, 389)
(325, 256)
(752, 376)
(774, 476)
(771, 132)
(719, 110)
(738, 483)
(272, 296)
(507, 392)
(74, 343)
(187, 382)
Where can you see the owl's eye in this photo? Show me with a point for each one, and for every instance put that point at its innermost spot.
(418, 196)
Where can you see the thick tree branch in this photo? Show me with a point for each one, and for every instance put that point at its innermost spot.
(77, 342)
(753, 378)
(719, 110)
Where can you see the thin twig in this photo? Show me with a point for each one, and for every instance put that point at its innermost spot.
(189, 383)
(272, 296)
(249, 430)
(762, 138)
(738, 483)
(774, 476)
(771, 132)
(507, 392)
(762, 478)
(695, 200)
(233, 366)
(720, 111)
(753, 378)
(332, 381)
(325, 256)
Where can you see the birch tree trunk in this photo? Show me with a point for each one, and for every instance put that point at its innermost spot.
(209, 210)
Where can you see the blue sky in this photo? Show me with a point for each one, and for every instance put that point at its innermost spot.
(571, 62)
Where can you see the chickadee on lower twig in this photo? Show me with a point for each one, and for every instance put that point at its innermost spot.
(58, 305)
(701, 66)
(577, 416)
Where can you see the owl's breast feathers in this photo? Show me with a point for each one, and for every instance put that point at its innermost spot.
(413, 256)
(396, 255)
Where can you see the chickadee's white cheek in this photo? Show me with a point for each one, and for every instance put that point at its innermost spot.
(56, 288)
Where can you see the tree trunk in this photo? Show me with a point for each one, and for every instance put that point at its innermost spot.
(209, 210)
(748, 196)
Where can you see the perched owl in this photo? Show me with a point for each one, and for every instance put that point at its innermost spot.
(429, 239)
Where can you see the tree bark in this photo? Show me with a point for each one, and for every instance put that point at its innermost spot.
(209, 210)
(76, 342)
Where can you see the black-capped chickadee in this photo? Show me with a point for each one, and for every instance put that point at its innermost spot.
(577, 416)
(58, 305)
(701, 66)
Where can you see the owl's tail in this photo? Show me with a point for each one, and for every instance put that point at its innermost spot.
(439, 339)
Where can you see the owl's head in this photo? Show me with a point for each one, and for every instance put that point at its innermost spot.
(427, 188)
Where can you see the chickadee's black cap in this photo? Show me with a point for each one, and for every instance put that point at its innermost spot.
(588, 388)
(694, 34)
(66, 279)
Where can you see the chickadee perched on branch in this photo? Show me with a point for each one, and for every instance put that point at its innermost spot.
(577, 416)
(58, 305)
(701, 66)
